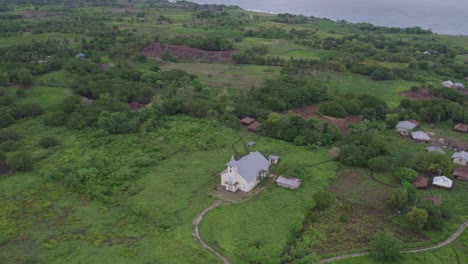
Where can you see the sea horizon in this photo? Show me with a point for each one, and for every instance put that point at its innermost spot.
(447, 18)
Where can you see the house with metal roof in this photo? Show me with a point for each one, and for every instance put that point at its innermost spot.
(244, 174)
(291, 183)
(458, 86)
(273, 159)
(435, 149)
(447, 84)
(404, 127)
(461, 158)
(442, 181)
(420, 136)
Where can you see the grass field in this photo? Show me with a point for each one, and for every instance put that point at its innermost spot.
(43, 95)
(228, 76)
(454, 253)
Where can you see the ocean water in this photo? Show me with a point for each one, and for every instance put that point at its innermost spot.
(443, 17)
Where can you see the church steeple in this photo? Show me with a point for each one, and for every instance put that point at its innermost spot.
(232, 164)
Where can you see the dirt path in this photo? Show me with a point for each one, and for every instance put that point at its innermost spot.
(439, 245)
(196, 221)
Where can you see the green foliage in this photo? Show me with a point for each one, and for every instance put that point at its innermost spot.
(381, 163)
(433, 162)
(6, 118)
(406, 174)
(20, 161)
(116, 123)
(417, 218)
(385, 248)
(9, 134)
(49, 142)
(399, 198)
(333, 109)
(20, 93)
(323, 199)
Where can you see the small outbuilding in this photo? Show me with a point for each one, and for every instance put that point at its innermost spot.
(291, 183)
(442, 182)
(461, 128)
(460, 173)
(460, 158)
(421, 182)
(420, 136)
(404, 127)
(435, 149)
(254, 126)
(273, 159)
(80, 56)
(251, 143)
(247, 120)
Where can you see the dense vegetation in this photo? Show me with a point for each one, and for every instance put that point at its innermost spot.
(116, 118)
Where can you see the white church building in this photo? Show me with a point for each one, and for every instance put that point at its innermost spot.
(245, 173)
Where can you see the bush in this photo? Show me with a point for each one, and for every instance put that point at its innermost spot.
(20, 161)
(333, 109)
(385, 248)
(406, 174)
(323, 200)
(48, 142)
(19, 93)
(417, 218)
(399, 198)
(9, 134)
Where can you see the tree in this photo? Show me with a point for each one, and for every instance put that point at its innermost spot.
(24, 76)
(323, 200)
(385, 248)
(20, 161)
(399, 198)
(433, 162)
(391, 120)
(6, 118)
(417, 218)
(406, 174)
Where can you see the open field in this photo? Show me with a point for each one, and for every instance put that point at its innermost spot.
(228, 76)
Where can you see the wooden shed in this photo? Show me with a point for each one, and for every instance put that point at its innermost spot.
(254, 126)
(291, 183)
(461, 128)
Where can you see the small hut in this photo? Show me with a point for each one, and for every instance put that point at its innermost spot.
(273, 159)
(291, 183)
(435, 149)
(421, 182)
(246, 121)
(251, 143)
(460, 173)
(442, 182)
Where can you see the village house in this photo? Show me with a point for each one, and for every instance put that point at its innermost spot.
(460, 158)
(442, 182)
(247, 120)
(245, 173)
(421, 182)
(420, 136)
(291, 183)
(253, 127)
(460, 173)
(447, 84)
(435, 149)
(458, 86)
(404, 127)
(461, 128)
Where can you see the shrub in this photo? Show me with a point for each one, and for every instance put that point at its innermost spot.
(20, 161)
(406, 174)
(385, 248)
(48, 142)
(19, 93)
(417, 218)
(399, 198)
(9, 134)
(333, 109)
(323, 200)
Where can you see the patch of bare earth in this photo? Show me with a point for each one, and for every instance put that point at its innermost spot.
(421, 94)
(341, 123)
(187, 54)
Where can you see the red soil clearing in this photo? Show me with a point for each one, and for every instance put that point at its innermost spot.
(187, 54)
(341, 123)
(421, 94)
